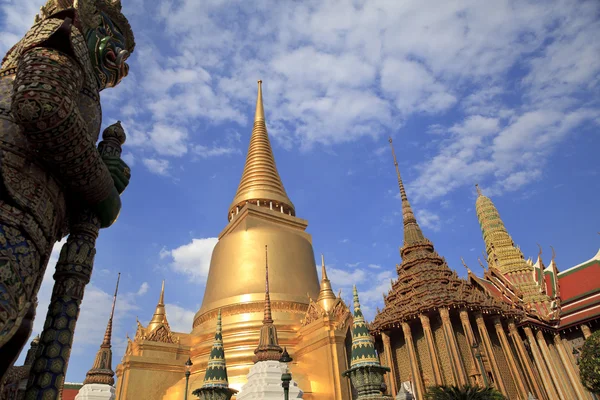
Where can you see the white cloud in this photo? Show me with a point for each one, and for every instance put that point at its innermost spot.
(180, 319)
(129, 158)
(143, 289)
(429, 219)
(157, 166)
(192, 259)
(206, 152)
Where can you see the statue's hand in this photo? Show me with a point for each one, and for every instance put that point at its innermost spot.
(108, 209)
(119, 171)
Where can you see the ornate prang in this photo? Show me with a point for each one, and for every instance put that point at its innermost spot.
(158, 329)
(101, 371)
(216, 385)
(365, 373)
(268, 345)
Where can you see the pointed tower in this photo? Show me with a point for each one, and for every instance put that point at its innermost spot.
(260, 181)
(160, 314)
(326, 297)
(264, 378)
(261, 213)
(99, 380)
(366, 373)
(216, 386)
(507, 258)
(158, 329)
(268, 344)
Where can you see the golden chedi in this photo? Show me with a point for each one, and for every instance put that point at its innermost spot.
(315, 332)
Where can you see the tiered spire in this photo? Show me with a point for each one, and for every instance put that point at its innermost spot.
(216, 385)
(363, 348)
(216, 372)
(160, 315)
(101, 372)
(412, 230)
(260, 183)
(326, 297)
(425, 282)
(366, 373)
(268, 345)
(507, 258)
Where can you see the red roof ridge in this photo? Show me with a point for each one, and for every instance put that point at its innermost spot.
(595, 258)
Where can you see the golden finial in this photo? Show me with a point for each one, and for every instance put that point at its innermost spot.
(260, 111)
(160, 314)
(540, 252)
(481, 263)
(553, 253)
(400, 183)
(465, 265)
(326, 297)
(161, 299)
(478, 189)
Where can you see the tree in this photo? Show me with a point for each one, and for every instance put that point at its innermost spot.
(466, 392)
(589, 363)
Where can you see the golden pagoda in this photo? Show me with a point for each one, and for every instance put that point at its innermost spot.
(316, 333)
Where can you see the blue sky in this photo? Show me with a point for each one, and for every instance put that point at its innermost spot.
(501, 93)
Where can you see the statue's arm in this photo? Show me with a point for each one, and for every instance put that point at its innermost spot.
(44, 104)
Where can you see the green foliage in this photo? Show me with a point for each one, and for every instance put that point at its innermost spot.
(589, 363)
(466, 392)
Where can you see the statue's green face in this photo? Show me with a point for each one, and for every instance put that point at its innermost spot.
(106, 44)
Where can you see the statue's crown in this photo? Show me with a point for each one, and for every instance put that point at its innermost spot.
(88, 13)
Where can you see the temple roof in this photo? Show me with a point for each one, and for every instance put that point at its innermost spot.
(260, 180)
(327, 298)
(425, 282)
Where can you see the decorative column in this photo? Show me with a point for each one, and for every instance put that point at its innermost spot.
(539, 360)
(468, 331)
(587, 332)
(487, 343)
(556, 375)
(387, 349)
(525, 361)
(414, 363)
(437, 372)
(73, 272)
(571, 372)
(460, 376)
(508, 354)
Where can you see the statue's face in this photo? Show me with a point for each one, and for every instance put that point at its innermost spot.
(106, 44)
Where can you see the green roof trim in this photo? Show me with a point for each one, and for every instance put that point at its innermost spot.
(575, 269)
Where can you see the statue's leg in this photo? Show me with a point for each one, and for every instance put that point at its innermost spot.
(12, 349)
(19, 269)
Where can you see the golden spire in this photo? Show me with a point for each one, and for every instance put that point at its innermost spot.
(326, 297)
(260, 181)
(268, 318)
(268, 345)
(101, 372)
(160, 315)
(478, 190)
(412, 231)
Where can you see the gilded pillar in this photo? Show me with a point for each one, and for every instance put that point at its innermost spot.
(539, 360)
(468, 331)
(460, 376)
(487, 344)
(559, 384)
(508, 354)
(587, 332)
(530, 374)
(437, 372)
(414, 363)
(387, 349)
(572, 373)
